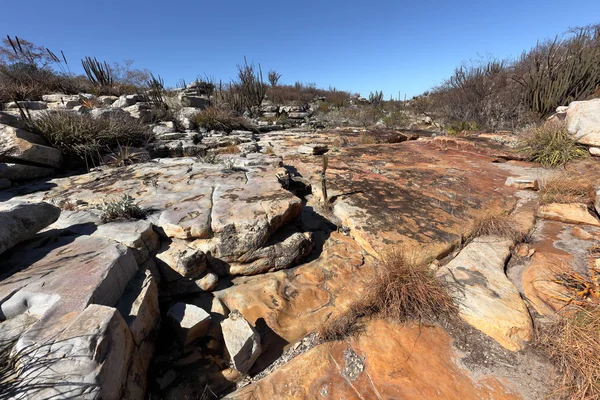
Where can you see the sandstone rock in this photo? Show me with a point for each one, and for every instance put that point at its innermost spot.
(368, 366)
(486, 298)
(313, 149)
(583, 121)
(125, 101)
(88, 360)
(575, 213)
(23, 221)
(22, 172)
(137, 235)
(17, 144)
(5, 183)
(581, 234)
(595, 151)
(242, 341)
(522, 183)
(60, 97)
(188, 321)
(177, 260)
(208, 281)
(30, 105)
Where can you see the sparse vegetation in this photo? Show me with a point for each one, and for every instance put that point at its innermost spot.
(126, 155)
(231, 149)
(566, 187)
(123, 208)
(405, 290)
(494, 221)
(349, 323)
(551, 145)
(81, 137)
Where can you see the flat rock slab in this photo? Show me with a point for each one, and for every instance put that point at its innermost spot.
(486, 298)
(389, 361)
(18, 144)
(22, 221)
(228, 211)
(575, 213)
(412, 194)
(22, 172)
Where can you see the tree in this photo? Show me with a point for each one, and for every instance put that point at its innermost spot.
(16, 50)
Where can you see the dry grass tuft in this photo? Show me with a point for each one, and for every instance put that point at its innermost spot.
(404, 290)
(495, 222)
(348, 324)
(366, 138)
(566, 187)
(214, 118)
(231, 149)
(573, 344)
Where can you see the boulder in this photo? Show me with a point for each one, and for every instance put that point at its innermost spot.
(583, 121)
(23, 172)
(60, 97)
(574, 213)
(179, 261)
(594, 151)
(125, 101)
(188, 321)
(242, 341)
(22, 221)
(137, 235)
(18, 144)
(522, 183)
(486, 298)
(88, 360)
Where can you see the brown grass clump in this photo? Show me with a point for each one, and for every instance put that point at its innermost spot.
(404, 290)
(366, 138)
(495, 222)
(348, 324)
(566, 187)
(573, 345)
(269, 150)
(231, 149)
(219, 120)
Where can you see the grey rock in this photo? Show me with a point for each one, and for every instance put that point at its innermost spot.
(30, 105)
(22, 221)
(5, 183)
(23, 172)
(18, 144)
(242, 341)
(188, 321)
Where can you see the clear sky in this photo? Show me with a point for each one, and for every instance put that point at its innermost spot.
(359, 46)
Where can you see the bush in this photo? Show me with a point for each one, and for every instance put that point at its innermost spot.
(81, 137)
(220, 120)
(123, 208)
(551, 145)
(565, 187)
(404, 290)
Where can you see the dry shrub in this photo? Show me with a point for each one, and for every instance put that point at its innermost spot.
(366, 138)
(566, 187)
(405, 290)
(573, 345)
(269, 150)
(551, 145)
(494, 221)
(231, 149)
(219, 120)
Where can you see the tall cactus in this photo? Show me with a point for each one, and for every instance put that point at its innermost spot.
(99, 73)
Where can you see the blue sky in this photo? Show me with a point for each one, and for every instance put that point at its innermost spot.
(406, 46)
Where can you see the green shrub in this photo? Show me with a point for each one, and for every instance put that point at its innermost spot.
(80, 137)
(551, 145)
(219, 120)
(123, 208)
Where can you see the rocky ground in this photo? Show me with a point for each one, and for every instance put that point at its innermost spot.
(218, 289)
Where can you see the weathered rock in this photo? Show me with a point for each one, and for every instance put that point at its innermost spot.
(522, 183)
(595, 151)
(141, 111)
(60, 97)
(188, 321)
(5, 183)
(18, 144)
(12, 120)
(313, 149)
(583, 121)
(242, 341)
(22, 172)
(486, 298)
(286, 250)
(388, 361)
(177, 260)
(126, 101)
(574, 213)
(22, 221)
(137, 235)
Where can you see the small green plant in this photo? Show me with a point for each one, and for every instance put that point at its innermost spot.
(551, 145)
(123, 208)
